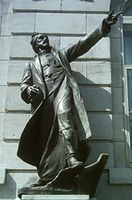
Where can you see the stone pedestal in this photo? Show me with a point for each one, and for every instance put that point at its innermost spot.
(55, 197)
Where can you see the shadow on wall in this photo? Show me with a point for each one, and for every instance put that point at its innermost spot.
(98, 121)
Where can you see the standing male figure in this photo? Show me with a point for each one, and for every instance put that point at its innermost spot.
(59, 122)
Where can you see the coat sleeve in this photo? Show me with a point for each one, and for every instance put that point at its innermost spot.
(87, 42)
(26, 81)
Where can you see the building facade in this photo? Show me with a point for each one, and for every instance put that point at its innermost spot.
(105, 77)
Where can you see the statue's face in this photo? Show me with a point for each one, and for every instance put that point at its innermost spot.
(42, 42)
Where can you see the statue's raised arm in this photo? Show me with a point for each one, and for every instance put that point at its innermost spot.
(88, 41)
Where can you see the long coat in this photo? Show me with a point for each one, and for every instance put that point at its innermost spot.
(35, 135)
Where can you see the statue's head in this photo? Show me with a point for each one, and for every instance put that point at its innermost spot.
(40, 42)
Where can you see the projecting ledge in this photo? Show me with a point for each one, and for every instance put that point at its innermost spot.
(55, 197)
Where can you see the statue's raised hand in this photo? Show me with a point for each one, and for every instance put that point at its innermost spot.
(112, 18)
(108, 21)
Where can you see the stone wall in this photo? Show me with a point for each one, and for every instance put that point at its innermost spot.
(65, 21)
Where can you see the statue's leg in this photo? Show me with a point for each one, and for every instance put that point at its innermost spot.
(67, 129)
(70, 139)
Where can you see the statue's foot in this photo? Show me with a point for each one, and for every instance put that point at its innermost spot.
(73, 162)
(39, 183)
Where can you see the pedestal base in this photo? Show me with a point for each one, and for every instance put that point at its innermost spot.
(69, 184)
(55, 197)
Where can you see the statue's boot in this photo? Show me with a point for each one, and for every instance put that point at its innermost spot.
(73, 162)
(40, 182)
(70, 155)
(66, 126)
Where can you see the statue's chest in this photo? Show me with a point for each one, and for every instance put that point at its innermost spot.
(50, 65)
(49, 60)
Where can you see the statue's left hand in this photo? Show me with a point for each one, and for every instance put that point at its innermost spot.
(112, 18)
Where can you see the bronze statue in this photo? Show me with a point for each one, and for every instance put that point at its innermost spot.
(59, 124)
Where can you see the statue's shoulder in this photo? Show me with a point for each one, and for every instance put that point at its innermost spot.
(29, 65)
(33, 61)
(34, 58)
